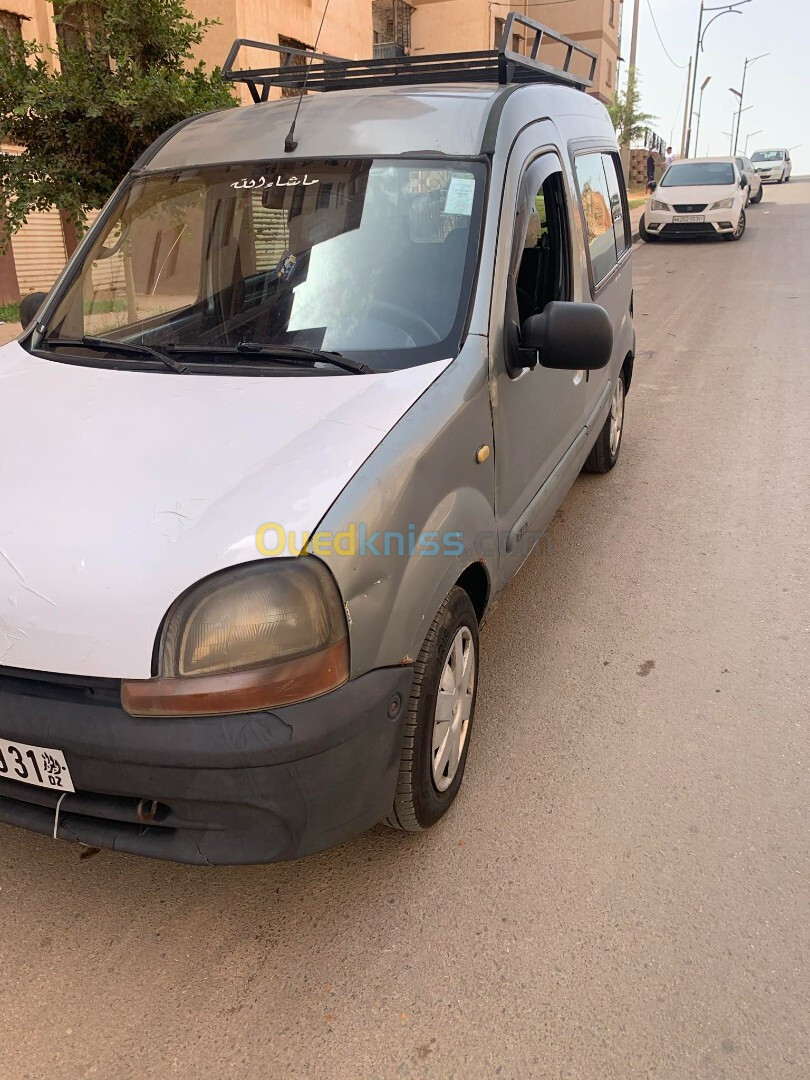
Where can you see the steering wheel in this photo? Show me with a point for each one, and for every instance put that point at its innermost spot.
(403, 316)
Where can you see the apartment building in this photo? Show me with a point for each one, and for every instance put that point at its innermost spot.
(38, 252)
(460, 25)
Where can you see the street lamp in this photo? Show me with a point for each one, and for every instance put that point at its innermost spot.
(750, 135)
(705, 83)
(724, 9)
(735, 123)
(747, 65)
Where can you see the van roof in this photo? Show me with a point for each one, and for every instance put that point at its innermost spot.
(450, 120)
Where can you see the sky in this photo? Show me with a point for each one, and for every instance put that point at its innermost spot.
(777, 86)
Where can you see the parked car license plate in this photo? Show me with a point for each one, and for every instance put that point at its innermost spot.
(37, 765)
(681, 219)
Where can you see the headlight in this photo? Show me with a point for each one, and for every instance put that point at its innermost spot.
(252, 638)
(656, 204)
(724, 204)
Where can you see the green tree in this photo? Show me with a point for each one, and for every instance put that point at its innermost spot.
(625, 111)
(125, 74)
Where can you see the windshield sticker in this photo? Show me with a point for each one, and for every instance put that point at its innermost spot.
(460, 196)
(250, 184)
(285, 268)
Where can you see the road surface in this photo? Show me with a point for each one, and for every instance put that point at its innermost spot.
(621, 890)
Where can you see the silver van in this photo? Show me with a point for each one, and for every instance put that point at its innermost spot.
(301, 404)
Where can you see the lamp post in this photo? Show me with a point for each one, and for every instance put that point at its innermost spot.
(704, 84)
(746, 66)
(724, 9)
(750, 135)
(735, 121)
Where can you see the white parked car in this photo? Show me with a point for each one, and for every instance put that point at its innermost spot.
(773, 165)
(746, 167)
(700, 197)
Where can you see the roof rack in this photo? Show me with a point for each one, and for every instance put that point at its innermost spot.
(328, 73)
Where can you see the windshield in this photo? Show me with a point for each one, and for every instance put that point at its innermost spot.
(768, 155)
(371, 259)
(699, 174)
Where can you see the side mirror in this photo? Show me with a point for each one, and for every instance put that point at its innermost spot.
(743, 181)
(570, 336)
(29, 306)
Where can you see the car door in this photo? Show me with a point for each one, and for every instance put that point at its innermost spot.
(603, 205)
(537, 412)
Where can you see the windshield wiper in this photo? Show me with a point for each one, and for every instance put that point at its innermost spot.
(296, 355)
(106, 345)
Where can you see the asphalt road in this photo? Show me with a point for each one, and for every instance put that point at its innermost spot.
(621, 890)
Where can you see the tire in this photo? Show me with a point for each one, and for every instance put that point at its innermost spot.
(424, 792)
(605, 451)
(739, 232)
(648, 238)
(758, 199)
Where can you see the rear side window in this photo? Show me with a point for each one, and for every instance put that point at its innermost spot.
(598, 209)
(613, 172)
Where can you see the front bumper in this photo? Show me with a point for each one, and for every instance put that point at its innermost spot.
(251, 788)
(715, 222)
(772, 176)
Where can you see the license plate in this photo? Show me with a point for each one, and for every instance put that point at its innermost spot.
(37, 765)
(681, 219)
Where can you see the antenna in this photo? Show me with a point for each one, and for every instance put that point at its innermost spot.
(290, 143)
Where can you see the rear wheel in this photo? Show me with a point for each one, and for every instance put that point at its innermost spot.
(758, 197)
(739, 231)
(605, 451)
(440, 717)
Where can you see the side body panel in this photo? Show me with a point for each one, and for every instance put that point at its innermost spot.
(422, 479)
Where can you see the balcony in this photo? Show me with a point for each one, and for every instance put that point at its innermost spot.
(388, 50)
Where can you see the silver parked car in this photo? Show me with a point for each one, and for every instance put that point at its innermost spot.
(300, 406)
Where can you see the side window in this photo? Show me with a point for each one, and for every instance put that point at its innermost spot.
(539, 269)
(615, 183)
(596, 207)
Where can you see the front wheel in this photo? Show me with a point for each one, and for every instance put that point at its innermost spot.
(605, 451)
(440, 717)
(738, 232)
(642, 232)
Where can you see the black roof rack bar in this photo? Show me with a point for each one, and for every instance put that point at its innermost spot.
(510, 60)
(328, 73)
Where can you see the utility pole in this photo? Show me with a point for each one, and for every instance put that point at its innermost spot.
(630, 93)
(686, 109)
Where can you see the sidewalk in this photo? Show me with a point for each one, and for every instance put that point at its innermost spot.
(635, 218)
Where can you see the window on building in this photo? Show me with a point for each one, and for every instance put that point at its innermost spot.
(11, 25)
(612, 13)
(292, 60)
(500, 26)
(608, 72)
(77, 24)
(391, 22)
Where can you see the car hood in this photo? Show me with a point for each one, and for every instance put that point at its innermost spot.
(120, 489)
(707, 194)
